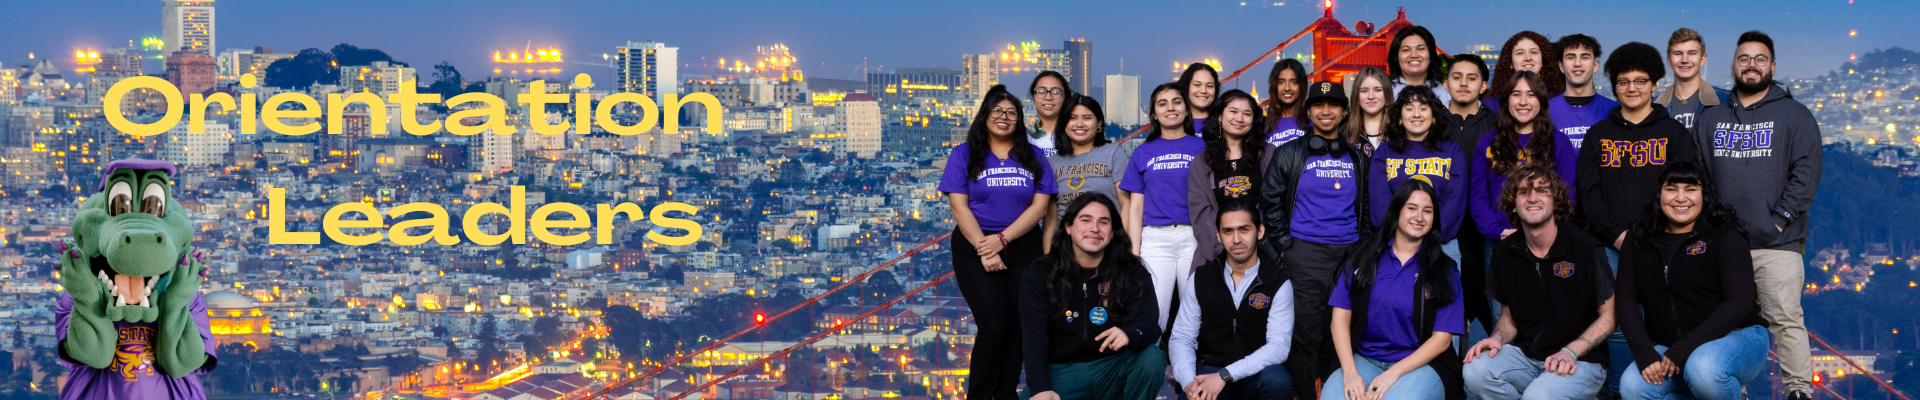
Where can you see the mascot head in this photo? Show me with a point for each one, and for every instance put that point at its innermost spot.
(132, 232)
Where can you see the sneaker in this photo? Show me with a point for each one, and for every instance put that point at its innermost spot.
(1799, 396)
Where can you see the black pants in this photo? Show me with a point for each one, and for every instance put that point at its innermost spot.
(994, 298)
(1315, 268)
(1473, 276)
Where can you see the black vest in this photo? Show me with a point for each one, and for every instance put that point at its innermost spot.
(1230, 331)
(1552, 298)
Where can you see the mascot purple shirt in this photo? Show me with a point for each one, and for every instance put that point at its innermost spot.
(131, 322)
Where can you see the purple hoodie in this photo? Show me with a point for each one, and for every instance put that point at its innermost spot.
(1487, 185)
(1445, 169)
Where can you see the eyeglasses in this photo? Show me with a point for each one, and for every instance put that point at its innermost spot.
(1642, 82)
(1752, 60)
(1005, 113)
(1054, 92)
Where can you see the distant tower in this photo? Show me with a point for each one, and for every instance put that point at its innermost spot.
(648, 68)
(1080, 61)
(980, 72)
(186, 26)
(1330, 40)
(1123, 100)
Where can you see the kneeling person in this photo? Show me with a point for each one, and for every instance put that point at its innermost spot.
(1231, 345)
(1088, 314)
(1556, 296)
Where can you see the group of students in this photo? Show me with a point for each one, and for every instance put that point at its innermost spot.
(1335, 243)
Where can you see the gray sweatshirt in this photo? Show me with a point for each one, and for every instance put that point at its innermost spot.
(1765, 160)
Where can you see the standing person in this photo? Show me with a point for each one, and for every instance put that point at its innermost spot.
(1244, 286)
(1228, 170)
(1687, 53)
(1155, 181)
(1556, 298)
(1050, 92)
(1286, 83)
(1467, 120)
(1631, 147)
(998, 186)
(1415, 60)
(1316, 211)
(1199, 85)
(1688, 270)
(1085, 163)
(1771, 187)
(1529, 52)
(1581, 105)
(1513, 144)
(1397, 308)
(1418, 146)
(1369, 109)
(1088, 315)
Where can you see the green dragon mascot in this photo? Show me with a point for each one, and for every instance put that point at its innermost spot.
(132, 324)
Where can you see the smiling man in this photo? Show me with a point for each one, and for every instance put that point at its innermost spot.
(1687, 54)
(1580, 106)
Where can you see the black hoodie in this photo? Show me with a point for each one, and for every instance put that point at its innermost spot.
(1765, 158)
(1620, 170)
(1050, 336)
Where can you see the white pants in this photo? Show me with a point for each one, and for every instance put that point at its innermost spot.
(1168, 252)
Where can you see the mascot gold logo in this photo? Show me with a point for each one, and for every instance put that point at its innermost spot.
(490, 108)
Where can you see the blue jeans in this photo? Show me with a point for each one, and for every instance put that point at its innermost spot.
(1272, 383)
(1421, 384)
(1512, 375)
(1715, 371)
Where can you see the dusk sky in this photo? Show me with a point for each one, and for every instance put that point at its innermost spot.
(832, 38)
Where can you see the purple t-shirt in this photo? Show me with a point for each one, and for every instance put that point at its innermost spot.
(1445, 169)
(1158, 170)
(1390, 335)
(1199, 124)
(1573, 121)
(133, 374)
(1286, 131)
(1003, 190)
(1485, 196)
(1323, 204)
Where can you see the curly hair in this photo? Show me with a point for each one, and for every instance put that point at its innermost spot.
(1714, 214)
(1503, 71)
(1215, 134)
(1510, 192)
(1635, 56)
(1505, 152)
(1437, 133)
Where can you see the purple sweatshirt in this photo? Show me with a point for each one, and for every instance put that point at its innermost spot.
(1445, 169)
(1573, 120)
(133, 374)
(1487, 185)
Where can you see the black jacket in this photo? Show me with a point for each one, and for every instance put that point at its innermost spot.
(1621, 172)
(1467, 131)
(1283, 178)
(1553, 299)
(1692, 293)
(1052, 336)
(1448, 364)
(1229, 331)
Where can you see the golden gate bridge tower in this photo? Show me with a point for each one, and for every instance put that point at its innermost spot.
(1363, 46)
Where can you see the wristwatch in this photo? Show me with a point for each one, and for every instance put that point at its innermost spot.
(1226, 376)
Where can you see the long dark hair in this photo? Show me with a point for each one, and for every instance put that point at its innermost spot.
(1714, 215)
(1436, 134)
(1176, 87)
(978, 136)
(1034, 88)
(1365, 260)
(1506, 143)
(1063, 144)
(1503, 71)
(1186, 84)
(1436, 69)
(1275, 108)
(1114, 262)
(1215, 134)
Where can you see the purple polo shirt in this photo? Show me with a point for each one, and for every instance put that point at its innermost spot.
(1390, 334)
(1286, 131)
(1323, 204)
(1158, 170)
(133, 374)
(1003, 190)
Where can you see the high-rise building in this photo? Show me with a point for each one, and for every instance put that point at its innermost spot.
(191, 72)
(381, 78)
(120, 62)
(1123, 100)
(490, 153)
(1079, 70)
(860, 115)
(185, 147)
(186, 26)
(979, 73)
(648, 68)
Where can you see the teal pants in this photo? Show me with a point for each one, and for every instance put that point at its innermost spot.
(1130, 375)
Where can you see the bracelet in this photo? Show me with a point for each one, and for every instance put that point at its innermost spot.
(1003, 240)
(1570, 351)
